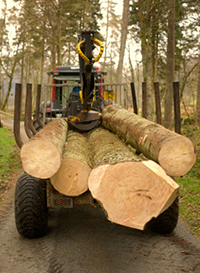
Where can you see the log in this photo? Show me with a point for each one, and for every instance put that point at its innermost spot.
(72, 176)
(41, 156)
(175, 153)
(131, 190)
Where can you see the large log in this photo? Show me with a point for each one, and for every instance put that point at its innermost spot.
(131, 190)
(175, 153)
(41, 156)
(72, 176)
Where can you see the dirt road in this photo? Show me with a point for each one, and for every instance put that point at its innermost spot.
(81, 240)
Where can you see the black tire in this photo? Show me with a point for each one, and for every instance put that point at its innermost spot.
(31, 212)
(166, 222)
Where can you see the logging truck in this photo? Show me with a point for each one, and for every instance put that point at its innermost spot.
(90, 154)
(65, 87)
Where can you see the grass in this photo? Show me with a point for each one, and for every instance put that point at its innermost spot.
(9, 158)
(190, 183)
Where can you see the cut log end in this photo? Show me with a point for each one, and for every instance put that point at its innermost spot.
(177, 156)
(40, 158)
(132, 193)
(71, 178)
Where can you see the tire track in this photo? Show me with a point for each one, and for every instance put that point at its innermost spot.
(53, 265)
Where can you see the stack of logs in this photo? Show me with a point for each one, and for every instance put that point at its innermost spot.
(126, 164)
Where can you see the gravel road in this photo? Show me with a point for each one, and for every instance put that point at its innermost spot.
(82, 240)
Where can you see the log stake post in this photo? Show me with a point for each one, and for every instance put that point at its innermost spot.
(30, 130)
(17, 114)
(144, 100)
(135, 108)
(157, 102)
(1, 121)
(27, 108)
(177, 112)
(37, 110)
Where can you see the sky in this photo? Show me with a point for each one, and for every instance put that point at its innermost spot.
(119, 4)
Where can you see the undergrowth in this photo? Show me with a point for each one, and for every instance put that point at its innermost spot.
(190, 183)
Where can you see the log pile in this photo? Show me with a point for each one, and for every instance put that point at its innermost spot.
(131, 191)
(130, 188)
(175, 153)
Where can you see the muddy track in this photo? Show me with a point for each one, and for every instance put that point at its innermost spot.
(82, 240)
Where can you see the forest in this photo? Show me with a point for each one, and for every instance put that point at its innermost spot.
(149, 41)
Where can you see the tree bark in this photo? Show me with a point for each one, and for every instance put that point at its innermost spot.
(124, 32)
(130, 190)
(175, 153)
(41, 156)
(72, 176)
(170, 66)
(198, 96)
(145, 22)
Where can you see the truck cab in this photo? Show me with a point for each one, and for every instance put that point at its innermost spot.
(66, 84)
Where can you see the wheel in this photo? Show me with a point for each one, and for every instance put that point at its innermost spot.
(31, 212)
(166, 221)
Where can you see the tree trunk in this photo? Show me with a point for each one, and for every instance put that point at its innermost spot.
(130, 190)
(72, 176)
(198, 97)
(144, 13)
(124, 32)
(175, 153)
(170, 66)
(10, 75)
(41, 156)
(106, 35)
